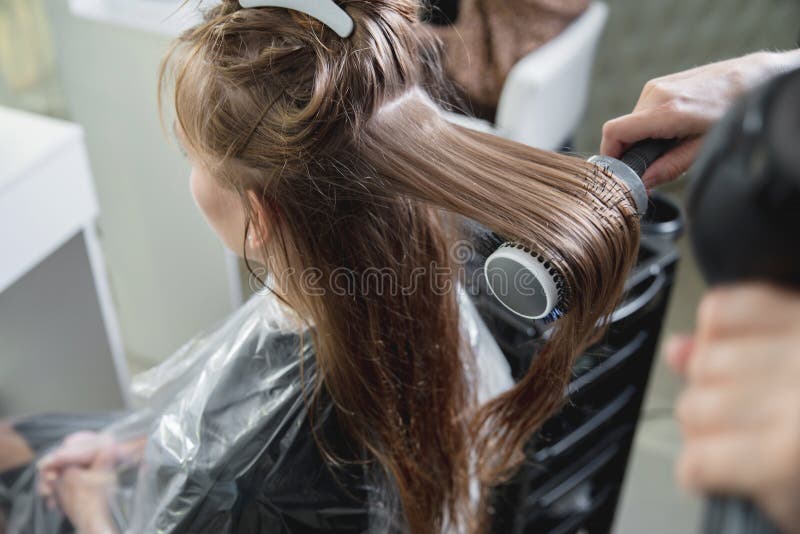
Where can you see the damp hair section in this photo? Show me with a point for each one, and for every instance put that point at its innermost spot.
(342, 143)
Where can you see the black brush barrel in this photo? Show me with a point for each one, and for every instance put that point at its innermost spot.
(641, 155)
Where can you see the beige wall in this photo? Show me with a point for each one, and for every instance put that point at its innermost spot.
(167, 269)
(648, 38)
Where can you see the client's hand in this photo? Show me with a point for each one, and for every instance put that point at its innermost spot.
(685, 105)
(77, 450)
(740, 413)
(82, 494)
(82, 450)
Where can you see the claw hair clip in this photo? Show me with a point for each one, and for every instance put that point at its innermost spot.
(325, 11)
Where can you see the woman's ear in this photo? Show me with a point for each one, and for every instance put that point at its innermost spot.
(258, 233)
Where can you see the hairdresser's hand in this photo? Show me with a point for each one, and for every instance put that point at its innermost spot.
(740, 412)
(685, 105)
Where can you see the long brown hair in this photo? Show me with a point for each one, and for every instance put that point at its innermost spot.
(358, 175)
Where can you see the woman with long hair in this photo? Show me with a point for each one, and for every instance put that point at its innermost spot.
(326, 163)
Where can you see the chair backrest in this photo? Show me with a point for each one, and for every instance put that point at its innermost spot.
(545, 94)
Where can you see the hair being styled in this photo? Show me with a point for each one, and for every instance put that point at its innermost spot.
(357, 172)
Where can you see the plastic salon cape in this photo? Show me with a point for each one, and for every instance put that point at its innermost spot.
(229, 447)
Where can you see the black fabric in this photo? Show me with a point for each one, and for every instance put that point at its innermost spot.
(443, 12)
(289, 488)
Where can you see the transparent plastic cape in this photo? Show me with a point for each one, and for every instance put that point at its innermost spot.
(219, 440)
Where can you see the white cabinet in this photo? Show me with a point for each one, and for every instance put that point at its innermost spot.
(60, 346)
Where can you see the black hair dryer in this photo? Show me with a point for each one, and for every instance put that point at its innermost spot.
(744, 222)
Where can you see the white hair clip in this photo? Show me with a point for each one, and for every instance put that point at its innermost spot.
(325, 11)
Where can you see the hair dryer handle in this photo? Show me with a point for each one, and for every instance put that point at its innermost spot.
(727, 515)
(641, 155)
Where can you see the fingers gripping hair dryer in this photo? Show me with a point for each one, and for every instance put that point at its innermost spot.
(744, 215)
